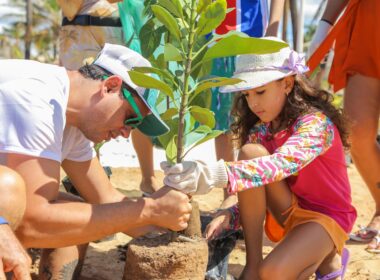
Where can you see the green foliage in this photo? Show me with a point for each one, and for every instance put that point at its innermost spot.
(174, 41)
(46, 21)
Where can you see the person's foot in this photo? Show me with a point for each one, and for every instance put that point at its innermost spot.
(330, 264)
(374, 245)
(149, 186)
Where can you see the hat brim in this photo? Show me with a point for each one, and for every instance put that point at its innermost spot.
(252, 80)
(152, 125)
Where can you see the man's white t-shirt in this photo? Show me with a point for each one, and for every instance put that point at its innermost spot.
(33, 102)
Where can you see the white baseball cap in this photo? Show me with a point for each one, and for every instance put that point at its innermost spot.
(259, 69)
(118, 60)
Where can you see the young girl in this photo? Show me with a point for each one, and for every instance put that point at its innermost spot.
(291, 166)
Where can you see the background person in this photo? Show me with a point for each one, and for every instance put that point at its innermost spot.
(356, 67)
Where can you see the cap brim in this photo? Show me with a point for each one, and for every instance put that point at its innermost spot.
(254, 79)
(153, 126)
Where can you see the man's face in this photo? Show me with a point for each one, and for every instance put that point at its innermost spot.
(105, 118)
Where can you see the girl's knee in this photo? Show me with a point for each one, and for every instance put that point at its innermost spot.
(249, 151)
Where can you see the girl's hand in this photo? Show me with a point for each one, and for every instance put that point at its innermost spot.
(220, 223)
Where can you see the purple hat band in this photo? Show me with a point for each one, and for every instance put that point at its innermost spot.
(295, 63)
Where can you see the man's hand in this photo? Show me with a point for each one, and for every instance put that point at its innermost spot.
(195, 177)
(169, 209)
(13, 257)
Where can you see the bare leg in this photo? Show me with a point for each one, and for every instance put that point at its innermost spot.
(144, 149)
(252, 206)
(362, 104)
(63, 263)
(299, 254)
(13, 196)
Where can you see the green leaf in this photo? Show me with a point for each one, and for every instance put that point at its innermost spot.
(235, 45)
(173, 6)
(167, 19)
(202, 4)
(215, 82)
(202, 100)
(200, 135)
(146, 81)
(171, 149)
(161, 63)
(203, 129)
(169, 114)
(203, 116)
(229, 10)
(164, 74)
(213, 134)
(212, 17)
(165, 139)
(150, 38)
(171, 53)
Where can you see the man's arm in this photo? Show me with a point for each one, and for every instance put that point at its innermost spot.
(276, 12)
(49, 222)
(96, 188)
(333, 9)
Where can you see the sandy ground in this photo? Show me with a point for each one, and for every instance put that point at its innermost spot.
(104, 260)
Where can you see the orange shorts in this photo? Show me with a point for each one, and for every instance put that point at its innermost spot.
(357, 41)
(298, 216)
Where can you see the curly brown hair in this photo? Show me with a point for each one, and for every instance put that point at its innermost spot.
(303, 98)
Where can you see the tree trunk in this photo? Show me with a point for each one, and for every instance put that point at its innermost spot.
(28, 28)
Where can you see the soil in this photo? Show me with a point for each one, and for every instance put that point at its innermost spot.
(160, 258)
(106, 260)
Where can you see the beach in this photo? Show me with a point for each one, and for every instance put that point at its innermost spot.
(106, 260)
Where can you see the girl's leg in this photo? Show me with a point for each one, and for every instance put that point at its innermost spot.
(252, 213)
(300, 254)
(252, 206)
(362, 105)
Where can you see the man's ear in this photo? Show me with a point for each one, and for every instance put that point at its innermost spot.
(113, 84)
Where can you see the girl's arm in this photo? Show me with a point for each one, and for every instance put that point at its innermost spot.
(312, 136)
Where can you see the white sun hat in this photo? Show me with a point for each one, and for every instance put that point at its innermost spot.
(118, 60)
(259, 69)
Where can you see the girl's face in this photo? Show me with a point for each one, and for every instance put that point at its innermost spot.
(267, 101)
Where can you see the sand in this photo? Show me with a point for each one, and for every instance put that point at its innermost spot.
(104, 260)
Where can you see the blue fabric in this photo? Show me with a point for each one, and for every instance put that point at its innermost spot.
(251, 24)
(219, 250)
(251, 18)
(3, 221)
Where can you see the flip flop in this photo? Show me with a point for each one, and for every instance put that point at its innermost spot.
(364, 234)
(375, 250)
(341, 272)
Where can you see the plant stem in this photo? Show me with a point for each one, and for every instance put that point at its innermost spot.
(185, 93)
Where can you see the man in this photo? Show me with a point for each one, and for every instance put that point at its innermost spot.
(49, 115)
(13, 257)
